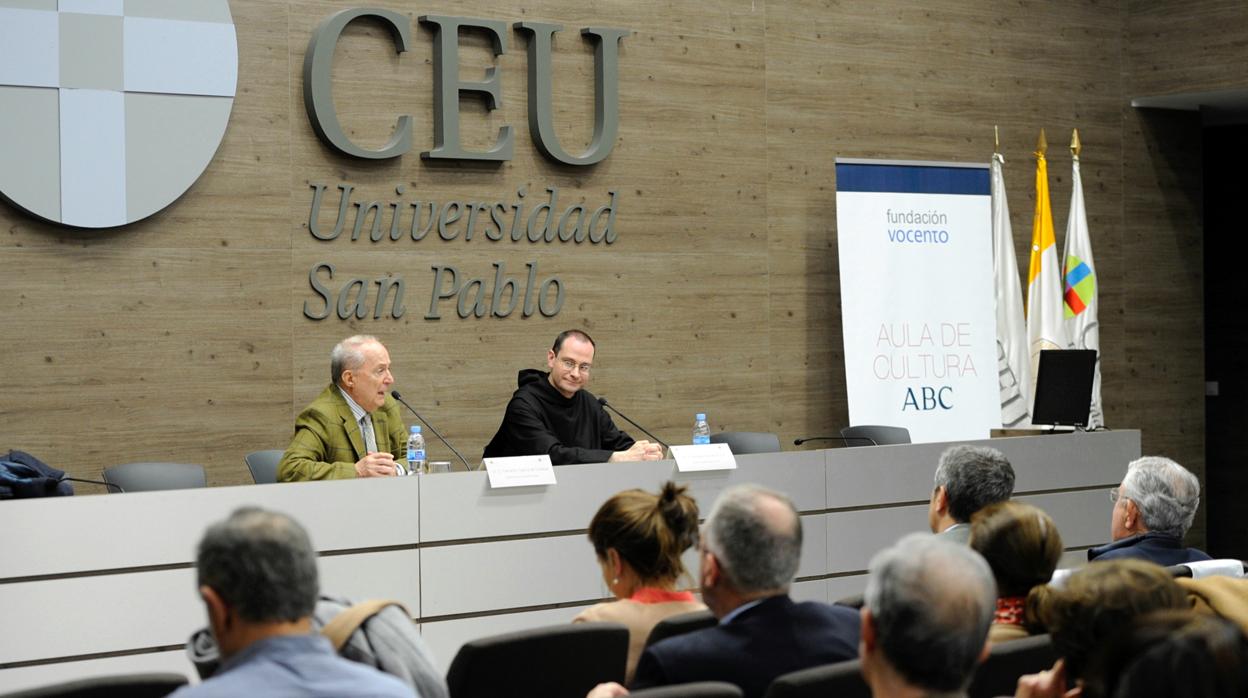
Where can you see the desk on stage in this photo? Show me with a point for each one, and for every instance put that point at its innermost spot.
(105, 584)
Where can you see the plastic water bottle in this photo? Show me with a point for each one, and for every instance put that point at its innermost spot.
(416, 459)
(701, 430)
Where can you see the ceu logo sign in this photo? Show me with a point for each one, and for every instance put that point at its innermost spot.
(111, 109)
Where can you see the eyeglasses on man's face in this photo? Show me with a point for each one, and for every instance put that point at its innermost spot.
(571, 365)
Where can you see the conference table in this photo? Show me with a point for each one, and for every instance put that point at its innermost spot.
(105, 584)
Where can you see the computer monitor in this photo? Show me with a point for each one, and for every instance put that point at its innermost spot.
(1064, 387)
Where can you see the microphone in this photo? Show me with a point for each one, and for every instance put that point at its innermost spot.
(395, 395)
(106, 483)
(603, 401)
(847, 441)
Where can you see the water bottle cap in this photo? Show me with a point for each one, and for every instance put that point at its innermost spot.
(415, 428)
(701, 416)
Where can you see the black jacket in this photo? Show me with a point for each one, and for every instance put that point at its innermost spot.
(1160, 548)
(539, 420)
(775, 637)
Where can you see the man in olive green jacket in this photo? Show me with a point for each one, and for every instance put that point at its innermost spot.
(333, 433)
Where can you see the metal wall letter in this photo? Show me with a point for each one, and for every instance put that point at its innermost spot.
(318, 96)
(606, 92)
(447, 86)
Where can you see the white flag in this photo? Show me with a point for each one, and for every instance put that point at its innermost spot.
(1013, 362)
(1079, 286)
(1045, 328)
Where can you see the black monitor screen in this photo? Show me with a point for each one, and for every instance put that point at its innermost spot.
(1064, 387)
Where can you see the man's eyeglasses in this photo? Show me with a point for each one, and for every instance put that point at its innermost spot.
(571, 365)
(1114, 495)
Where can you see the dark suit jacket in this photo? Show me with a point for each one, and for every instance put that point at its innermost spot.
(773, 638)
(328, 442)
(1155, 547)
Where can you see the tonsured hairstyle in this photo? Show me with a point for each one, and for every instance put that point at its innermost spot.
(1098, 601)
(931, 601)
(1020, 543)
(973, 478)
(1171, 654)
(346, 355)
(261, 563)
(754, 554)
(1166, 494)
(648, 531)
(572, 333)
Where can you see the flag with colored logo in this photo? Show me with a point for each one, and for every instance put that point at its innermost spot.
(1079, 286)
(1045, 326)
(1013, 361)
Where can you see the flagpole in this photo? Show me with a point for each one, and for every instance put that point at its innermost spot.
(1042, 146)
(1075, 145)
(996, 140)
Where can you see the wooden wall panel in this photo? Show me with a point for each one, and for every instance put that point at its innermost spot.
(181, 337)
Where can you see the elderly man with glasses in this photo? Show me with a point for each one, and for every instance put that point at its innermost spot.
(1153, 508)
(551, 413)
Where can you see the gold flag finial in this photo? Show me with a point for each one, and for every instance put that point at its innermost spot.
(1075, 145)
(1042, 146)
(996, 139)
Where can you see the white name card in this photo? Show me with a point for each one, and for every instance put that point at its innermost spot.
(695, 457)
(520, 471)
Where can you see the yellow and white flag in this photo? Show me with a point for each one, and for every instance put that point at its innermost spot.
(1013, 360)
(1045, 326)
(1079, 284)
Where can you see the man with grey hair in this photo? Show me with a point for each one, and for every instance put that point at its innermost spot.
(353, 428)
(750, 549)
(1153, 508)
(258, 580)
(968, 478)
(929, 603)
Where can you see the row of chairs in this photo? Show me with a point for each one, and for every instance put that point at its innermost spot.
(492, 666)
(144, 477)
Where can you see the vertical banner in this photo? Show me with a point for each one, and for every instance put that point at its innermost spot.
(917, 304)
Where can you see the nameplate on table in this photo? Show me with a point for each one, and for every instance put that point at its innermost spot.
(696, 457)
(520, 471)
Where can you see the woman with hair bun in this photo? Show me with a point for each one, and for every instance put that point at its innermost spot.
(639, 538)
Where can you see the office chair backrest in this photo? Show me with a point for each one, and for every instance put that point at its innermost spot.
(263, 465)
(998, 675)
(560, 661)
(679, 625)
(842, 679)
(146, 477)
(865, 434)
(131, 685)
(745, 442)
(700, 689)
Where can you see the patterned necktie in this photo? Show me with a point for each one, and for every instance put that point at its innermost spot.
(366, 428)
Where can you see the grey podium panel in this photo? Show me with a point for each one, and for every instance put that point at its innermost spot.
(854, 536)
(444, 638)
(76, 534)
(499, 575)
(461, 505)
(141, 610)
(1082, 517)
(886, 474)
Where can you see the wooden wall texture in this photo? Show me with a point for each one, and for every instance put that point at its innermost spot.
(182, 337)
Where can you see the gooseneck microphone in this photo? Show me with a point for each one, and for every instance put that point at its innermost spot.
(395, 394)
(847, 441)
(603, 401)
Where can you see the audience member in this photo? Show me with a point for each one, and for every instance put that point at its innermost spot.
(639, 538)
(1022, 546)
(750, 549)
(1153, 508)
(258, 580)
(968, 478)
(929, 602)
(1087, 612)
(1171, 654)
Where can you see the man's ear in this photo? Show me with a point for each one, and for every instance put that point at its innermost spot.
(710, 570)
(940, 500)
(1132, 512)
(218, 611)
(867, 630)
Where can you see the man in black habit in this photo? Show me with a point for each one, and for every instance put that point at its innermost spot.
(552, 413)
